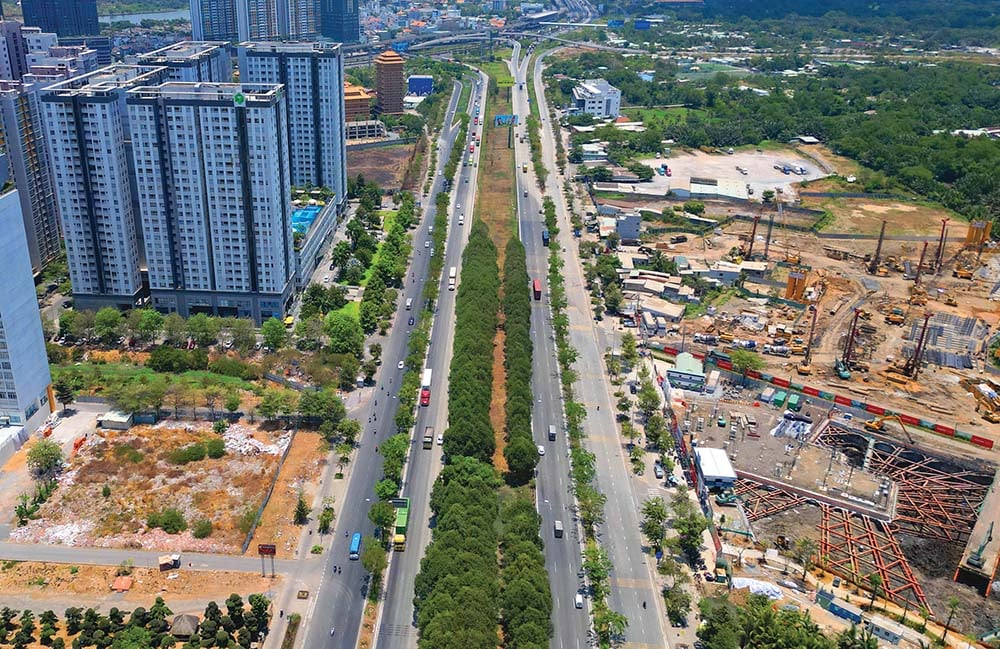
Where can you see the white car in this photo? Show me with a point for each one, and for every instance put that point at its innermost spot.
(427, 244)
(440, 440)
(400, 365)
(541, 450)
(326, 279)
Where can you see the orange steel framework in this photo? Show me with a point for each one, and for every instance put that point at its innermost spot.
(760, 501)
(857, 546)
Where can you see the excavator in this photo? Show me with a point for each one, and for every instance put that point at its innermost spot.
(877, 425)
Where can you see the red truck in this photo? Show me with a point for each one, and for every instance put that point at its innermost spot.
(425, 388)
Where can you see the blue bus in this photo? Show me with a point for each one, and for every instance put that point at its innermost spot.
(355, 546)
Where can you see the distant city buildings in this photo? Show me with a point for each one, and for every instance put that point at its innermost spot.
(597, 97)
(86, 125)
(313, 76)
(23, 137)
(390, 85)
(192, 61)
(340, 20)
(25, 393)
(64, 17)
(215, 201)
(214, 20)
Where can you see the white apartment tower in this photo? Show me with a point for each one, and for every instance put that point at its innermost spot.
(23, 135)
(193, 61)
(212, 168)
(25, 397)
(313, 76)
(88, 135)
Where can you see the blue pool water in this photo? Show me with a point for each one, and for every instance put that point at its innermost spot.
(303, 217)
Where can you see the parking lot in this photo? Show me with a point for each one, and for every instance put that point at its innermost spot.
(759, 165)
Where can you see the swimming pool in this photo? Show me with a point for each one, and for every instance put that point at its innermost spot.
(303, 218)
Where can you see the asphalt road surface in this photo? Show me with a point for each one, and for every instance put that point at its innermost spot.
(339, 603)
(554, 497)
(396, 629)
(631, 578)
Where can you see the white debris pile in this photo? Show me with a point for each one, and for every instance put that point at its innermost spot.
(160, 541)
(76, 533)
(240, 439)
(757, 587)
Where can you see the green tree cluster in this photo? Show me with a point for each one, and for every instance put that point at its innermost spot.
(320, 300)
(520, 450)
(457, 589)
(525, 597)
(379, 300)
(471, 379)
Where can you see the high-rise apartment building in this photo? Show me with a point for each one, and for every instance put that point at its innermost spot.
(27, 157)
(13, 50)
(100, 44)
(215, 201)
(390, 84)
(303, 19)
(25, 393)
(87, 131)
(262, 20)
(64, 17)
(192, 61)
(214, 20)
(340, 20)
(313, 76)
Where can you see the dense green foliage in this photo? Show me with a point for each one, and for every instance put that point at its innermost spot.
(456, 592)
(471, 375)
(520, 450)
(379, 300)
(525, 598)
(884, 116)
(759, 624)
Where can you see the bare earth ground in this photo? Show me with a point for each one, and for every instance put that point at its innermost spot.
(495, 206)
(865, 215)
(302, 466)
(384, 166)
(134, 465)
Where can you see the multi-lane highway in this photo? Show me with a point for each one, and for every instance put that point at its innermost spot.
(396, 628)
(339, 603)
(553, 489)
(631, 581)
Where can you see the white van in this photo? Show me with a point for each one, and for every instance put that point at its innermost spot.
(557, 529)
(578, 601)
(409, 304)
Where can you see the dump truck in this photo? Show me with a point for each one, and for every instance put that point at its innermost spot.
(402, 506)
(428, 437)
(895, 319)
(169, 562)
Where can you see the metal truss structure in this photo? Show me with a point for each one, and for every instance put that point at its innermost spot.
(760, 501)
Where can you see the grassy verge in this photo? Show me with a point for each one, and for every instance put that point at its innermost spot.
(294, 620)
(465, 97)
(96, 376)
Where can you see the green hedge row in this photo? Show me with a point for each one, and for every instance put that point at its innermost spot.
(520, 449)
(388, 272)
(470, 382)
(525, 595)
(456, 592)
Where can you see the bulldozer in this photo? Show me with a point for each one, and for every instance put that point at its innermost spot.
(962, 273)
(895, 318)
(803, 369)
(950, 301)
(918, 300)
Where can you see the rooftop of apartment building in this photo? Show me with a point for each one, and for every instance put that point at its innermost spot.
(291, 47)
(389, 57)
(352, 91)
(107, 79)
(184, 50)
(206, 92)
(595, 86)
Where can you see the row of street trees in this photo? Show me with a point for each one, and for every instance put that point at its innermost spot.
(520, 450)
(379, 300)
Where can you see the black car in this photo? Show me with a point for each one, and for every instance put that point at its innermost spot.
(410, 321)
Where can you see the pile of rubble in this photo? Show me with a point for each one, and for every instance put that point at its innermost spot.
(239, 439)
(76, 533)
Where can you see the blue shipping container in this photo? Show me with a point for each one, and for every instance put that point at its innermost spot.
(616, 23)
(642, 25)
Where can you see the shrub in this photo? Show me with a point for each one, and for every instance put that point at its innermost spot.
(233, 367)
(191, 453)
(169, 520)
(215, 448)
(202, 528)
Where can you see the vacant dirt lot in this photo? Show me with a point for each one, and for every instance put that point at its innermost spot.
(385, 166)
(302, 466)
(143, 475)
(865, 215)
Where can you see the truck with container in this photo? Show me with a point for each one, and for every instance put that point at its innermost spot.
(778, 350)
(169, 562)
(402, 506)
(545, 237)
(425, 388)
(536, 288)
(452, 276)
(524, 167)
(428, 437)
(552, 433)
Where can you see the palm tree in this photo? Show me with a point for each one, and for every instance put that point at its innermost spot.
(875, 580)
(953, 605)
(804, 550)
(610, 624)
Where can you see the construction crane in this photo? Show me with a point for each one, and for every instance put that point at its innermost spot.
(877, 425)
(873, 266)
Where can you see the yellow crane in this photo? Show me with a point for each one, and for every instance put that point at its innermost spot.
(877, 425)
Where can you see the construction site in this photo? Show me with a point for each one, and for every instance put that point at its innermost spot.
(875, 414)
